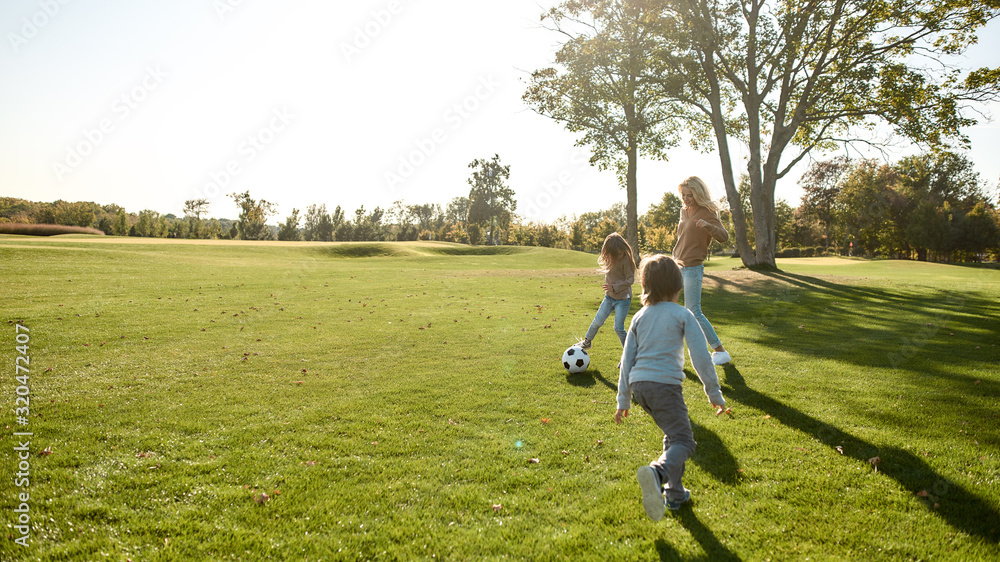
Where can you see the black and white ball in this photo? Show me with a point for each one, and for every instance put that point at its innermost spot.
(576, 359)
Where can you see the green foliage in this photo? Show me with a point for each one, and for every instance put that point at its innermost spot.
(602, 87)
(491, 201)
(252, 224)
(666, 213)
(290, 229)
(786, 78)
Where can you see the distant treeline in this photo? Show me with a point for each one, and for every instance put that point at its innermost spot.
(928, 207)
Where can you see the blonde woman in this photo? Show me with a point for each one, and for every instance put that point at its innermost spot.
(699, 224)
(619, 274)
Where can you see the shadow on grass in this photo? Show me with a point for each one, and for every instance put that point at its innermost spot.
(589, 378)
(958, 507)
(928, 336)
(714, 457)
(714, 550)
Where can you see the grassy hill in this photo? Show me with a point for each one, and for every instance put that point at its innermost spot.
(215, 400)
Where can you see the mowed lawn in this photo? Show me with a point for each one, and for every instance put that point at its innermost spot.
(406, 401)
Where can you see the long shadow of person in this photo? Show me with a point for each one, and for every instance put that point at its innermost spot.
(714, 550)
(958, 507)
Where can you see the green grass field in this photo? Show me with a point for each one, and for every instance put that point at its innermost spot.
(406, 401)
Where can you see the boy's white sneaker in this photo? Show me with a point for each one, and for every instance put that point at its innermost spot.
(652, 493)
(721, 357)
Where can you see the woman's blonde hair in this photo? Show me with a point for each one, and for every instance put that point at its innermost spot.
(660, 278)
(699, 189)
(615, 248)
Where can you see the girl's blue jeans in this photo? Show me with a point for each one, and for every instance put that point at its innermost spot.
(620, 308)
(692, 301)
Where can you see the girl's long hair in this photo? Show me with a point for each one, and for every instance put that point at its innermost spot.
(614, 249)
(699, 189)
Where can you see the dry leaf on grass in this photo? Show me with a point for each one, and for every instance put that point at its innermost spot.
(874, 462)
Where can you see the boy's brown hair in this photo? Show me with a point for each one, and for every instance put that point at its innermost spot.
(660, 278)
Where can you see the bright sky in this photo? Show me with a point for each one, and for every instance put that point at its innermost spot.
(149, 104)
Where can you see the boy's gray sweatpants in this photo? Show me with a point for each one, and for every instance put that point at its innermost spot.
(665, 403)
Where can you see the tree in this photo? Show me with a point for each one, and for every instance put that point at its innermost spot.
(978, 231)
(820, 185)
(73, 214)
(290, 229)
(148, 224)
(252, 223)
(787, 77)
(930, 182)
(666, 213)
(457, 211)
(863, 205)
(492, 203)
(315, 215)
(604, 88)
(121, 226)
(193, 209)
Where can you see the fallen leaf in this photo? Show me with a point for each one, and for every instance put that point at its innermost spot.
(45, 451)
(533, 461)
(768, 416)
(923, 493)
(497, 507)
(261, 497)
(874, 462)
(840, 449)
(546, 420)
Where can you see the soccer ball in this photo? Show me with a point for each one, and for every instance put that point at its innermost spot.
(576, 359)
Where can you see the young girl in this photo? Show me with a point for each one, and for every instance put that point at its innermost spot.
(652, 371)
(618, 267)
(699, 224)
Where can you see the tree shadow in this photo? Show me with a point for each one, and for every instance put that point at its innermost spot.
(714, 549)
(922, 334)
(958, 507)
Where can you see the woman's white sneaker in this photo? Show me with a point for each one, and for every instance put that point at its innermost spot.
(721, 357)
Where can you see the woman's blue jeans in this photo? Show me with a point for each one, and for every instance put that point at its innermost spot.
(692, 301)
(620, 308)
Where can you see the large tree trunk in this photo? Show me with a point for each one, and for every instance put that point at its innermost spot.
(631, 205)
(735, 205)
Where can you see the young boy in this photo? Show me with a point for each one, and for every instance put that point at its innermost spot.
(652, 370)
